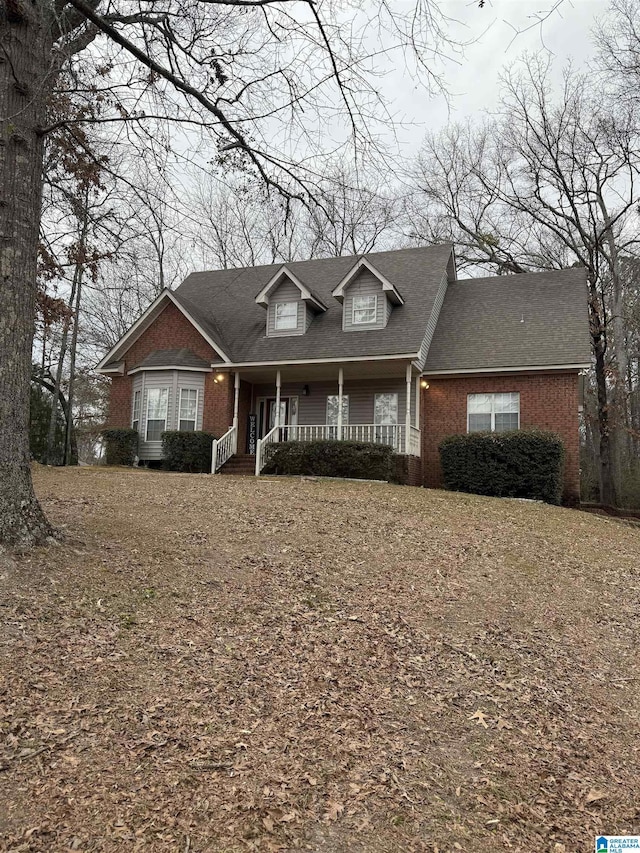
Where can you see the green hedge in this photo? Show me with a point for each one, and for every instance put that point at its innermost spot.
(121, 446)
(330, 459)
(520, 464)
(187, 451)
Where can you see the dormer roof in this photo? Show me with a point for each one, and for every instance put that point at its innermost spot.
(363, 264)
(306, 294)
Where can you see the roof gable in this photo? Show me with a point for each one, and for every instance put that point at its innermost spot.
(390, 289)
(203, 325)
(276, 280)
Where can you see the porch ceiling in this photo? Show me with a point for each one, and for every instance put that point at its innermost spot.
(318, 372)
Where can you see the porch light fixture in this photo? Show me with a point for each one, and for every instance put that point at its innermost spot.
(305, 390)
(219, 378)
(424, 384)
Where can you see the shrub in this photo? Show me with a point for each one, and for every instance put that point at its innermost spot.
(121, 446)
(330, 459)
(187, 451)
(521, 464)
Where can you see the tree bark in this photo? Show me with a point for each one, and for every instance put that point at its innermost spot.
(607, 483)
(24, 88)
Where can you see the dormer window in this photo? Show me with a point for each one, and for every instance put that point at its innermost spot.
(367, 297)
(290, 305)
(365, 310)
(286, 315)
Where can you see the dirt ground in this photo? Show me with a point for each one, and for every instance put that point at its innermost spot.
(230, 664)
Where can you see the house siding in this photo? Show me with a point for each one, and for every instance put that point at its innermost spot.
(312, 409)
(174, 380)
(286, 292)
(365, 284)
(433, 321)
(547, 401)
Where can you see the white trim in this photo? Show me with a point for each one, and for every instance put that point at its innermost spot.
(133, 408)
(331, 360)
(119, 369)
(363, 263)
(355, 322)
(284, 272)
(139, 327)
(538, 367)
(173, 367)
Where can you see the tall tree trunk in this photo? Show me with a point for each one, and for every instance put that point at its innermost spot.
(50, 457)
(608, 493)
(24, 87)
(68, 444)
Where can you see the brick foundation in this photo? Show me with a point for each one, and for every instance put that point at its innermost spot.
(408, 470)
(547, 401)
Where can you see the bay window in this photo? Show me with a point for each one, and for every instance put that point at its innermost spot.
(157, 407)
(188, 413)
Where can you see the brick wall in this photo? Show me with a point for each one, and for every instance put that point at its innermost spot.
(547, 401)
(408, 470)
(172, 330)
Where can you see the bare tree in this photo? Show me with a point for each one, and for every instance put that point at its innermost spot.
(240, 72)
(547, 184)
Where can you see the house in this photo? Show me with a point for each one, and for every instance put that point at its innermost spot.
(388, 347)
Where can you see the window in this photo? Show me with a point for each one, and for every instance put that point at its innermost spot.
(135, 415)
(385, 409)
(385, 417)
(286, 315)
(365, 310)
(332, 414)
(157, 405)
(188, 409)
(493, 412)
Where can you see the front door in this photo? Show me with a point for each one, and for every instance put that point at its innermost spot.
(271, 412)
(266, 411)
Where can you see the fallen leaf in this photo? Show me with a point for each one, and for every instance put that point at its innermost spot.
(595, 794)
(334, 810)
(480, 718)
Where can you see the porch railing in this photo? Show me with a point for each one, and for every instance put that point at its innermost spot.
(222, 449)
(414, 442)
(272, 437)
(392, 434)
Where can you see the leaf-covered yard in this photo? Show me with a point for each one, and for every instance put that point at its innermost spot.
(224, 664)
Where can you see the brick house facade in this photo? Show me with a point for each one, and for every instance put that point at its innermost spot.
(338, 347)
(548, 401)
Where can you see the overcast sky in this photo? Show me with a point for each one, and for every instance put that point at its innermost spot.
(474, 82)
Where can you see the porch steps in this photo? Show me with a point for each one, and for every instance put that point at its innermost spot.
(241, 465)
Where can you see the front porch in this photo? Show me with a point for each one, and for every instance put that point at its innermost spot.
(377, 402)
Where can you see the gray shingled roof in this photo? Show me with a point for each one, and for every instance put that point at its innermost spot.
(239, 325)
(173, 358)
(529, 320)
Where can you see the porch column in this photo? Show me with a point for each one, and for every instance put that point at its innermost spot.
(277, 419)
(407, 420)
(418, 401)
(236, 399)
(340, 389)
(236, 403)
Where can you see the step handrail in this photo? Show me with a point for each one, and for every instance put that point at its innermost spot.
(222, 449)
